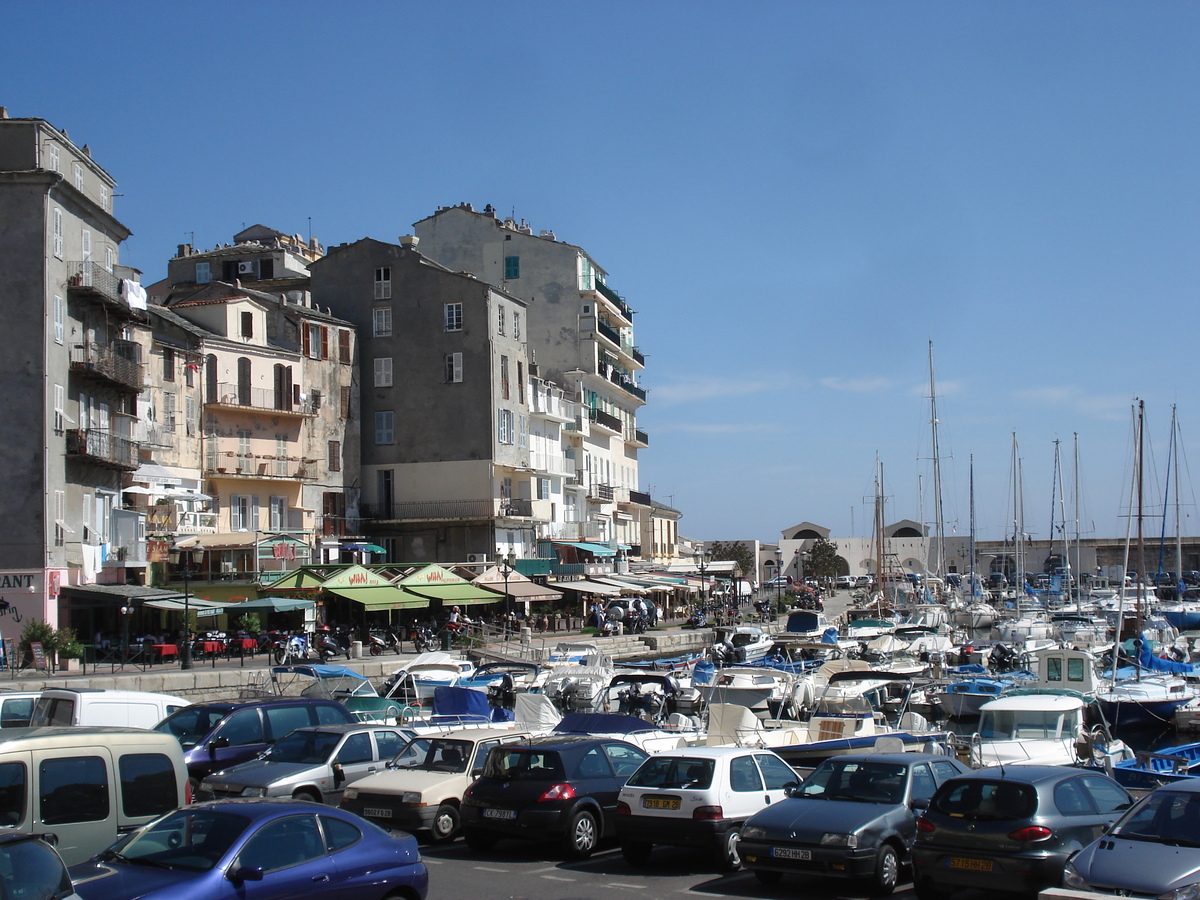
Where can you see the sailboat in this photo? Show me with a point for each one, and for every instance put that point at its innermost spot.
(1155, 688)
(1180, 611)
(977, 613)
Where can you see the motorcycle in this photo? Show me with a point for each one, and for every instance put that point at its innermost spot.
(292, 649)
(698, 618)
(636, 623)
(382, 641)
(423, 638)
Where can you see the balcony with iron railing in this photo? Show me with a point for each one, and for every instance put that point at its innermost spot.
(448, 510)
(131, 555)
(621, 379)
(102, 447)
(605, 420)
(233, 396)
(615, 299)
(118, 362)
(637, 437)
(640, 497)
(601, 492)
(92, 280)
(230, 463)
(637, 355)
(609, 332)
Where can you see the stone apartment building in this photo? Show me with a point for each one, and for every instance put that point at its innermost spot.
(461, 452)
(580, 335)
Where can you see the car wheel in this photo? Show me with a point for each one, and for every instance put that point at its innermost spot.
(766, 876)
(730, 859)
(306, 795)
(481, 841)
(582, 835)
(927, 890)
(636, 853)
(887, 871)
(445, 823)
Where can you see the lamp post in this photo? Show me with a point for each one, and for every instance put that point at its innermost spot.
(508, 563)
(702, 557)
(181, 558)
(126, 612)
(778, 579)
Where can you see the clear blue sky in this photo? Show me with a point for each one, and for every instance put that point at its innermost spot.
(795, 197)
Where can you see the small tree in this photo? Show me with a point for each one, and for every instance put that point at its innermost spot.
(67, 645)
(823, 560)
(249, 623)
(739, 553)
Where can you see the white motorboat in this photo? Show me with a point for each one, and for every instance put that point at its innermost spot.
(753, 687)
(417, 679)
(1036, 727)
(741, 643)
(975, 615)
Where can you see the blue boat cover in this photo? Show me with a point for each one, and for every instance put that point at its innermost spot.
(802, 621)
(1148, 660)
(500, 714)
(460, 705)
(322, 671)
(600, 723)
(830, 636)
(704, 672)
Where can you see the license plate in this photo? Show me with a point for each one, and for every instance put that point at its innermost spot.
(977, 865)
(372, 812)
(499, 813)
(660, 803)
(790, 853)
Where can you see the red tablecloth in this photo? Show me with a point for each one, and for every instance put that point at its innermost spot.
(244, 644)
(165, 650)
(210, 647)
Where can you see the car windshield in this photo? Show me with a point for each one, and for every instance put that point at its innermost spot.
(1168, 817)
(674, 772)
(194, 840)
(434, 755)
(975, 799)
(310, 747)
(863, 782)
(192, 724)
(32, 871)
(524, 764)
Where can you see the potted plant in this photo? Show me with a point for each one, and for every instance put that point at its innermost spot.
(70, 651)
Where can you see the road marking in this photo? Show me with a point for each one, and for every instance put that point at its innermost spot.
(486, 869)
(556, 878)
(547, 869)
(621, 884)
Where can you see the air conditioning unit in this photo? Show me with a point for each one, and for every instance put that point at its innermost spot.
(246, 268)
(477, 557)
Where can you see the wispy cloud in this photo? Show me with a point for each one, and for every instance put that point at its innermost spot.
(857, 385)
(705, 388)
(941, 388)
(1071, 397)
(719, 428)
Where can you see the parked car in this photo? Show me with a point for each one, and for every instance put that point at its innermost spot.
(777, 582)
(863, 581)
(229, 849)
(853, 817)
(551, 787)
(314, 763)
(698, 797)
(94, 706)
(31, 869)
(1152, 851)
(1011, 828)
(16, 708)
(421, 788)
(223, 733)
(845, 582)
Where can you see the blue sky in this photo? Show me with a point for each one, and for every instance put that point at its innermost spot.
(795, 197)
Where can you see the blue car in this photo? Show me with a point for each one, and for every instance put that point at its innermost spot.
(266, 849)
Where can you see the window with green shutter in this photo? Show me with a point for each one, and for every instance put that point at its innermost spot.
(512, 267)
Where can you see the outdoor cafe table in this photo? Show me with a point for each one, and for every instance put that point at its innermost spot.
(162, 651)
(242, 646)
(210, 647)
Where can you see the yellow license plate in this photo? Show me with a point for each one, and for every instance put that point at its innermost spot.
(660, 803)
(976, 865)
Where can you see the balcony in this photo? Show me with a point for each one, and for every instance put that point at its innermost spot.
(131, 555)
(605, 420)
(640, 497)
(232, 396)
(92, 280)
(550, 406)
(551, 463)
(601, 492)
(198, 523)
(615, 299)
(637, 438)
(609, 332)
(252, 465)
(102, 448)
(118, 362)
(448, 510)
(637, 355)
(611, 373)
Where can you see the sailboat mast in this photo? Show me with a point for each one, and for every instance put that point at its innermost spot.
(939, 535)
(879, 536)
(1141, 538)
(1178, 537)
(974, 589)
(1077, 573)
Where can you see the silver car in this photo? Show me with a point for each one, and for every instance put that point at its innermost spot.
(314, 763)
(1153, 851)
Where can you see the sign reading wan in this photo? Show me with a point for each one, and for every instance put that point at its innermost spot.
(356, 576)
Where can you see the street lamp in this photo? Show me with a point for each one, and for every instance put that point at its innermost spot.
(778, 579)
(507, 562)
(181, 558)
(702, 556)
(126, 612)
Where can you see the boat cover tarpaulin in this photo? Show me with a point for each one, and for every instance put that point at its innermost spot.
(455, 704)
(1148, 660)
(600, 723)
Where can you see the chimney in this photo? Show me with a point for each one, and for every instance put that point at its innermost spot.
(409, 241)
(87, 151)
(3, 112)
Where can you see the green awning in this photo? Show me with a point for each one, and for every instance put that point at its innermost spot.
(270, 604)
(297, 579)
(463, 594)
(594, 549)
(381, 597)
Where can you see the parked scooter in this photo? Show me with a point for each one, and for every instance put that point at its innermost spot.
(698, 618)
(382, 641)
(329, 646)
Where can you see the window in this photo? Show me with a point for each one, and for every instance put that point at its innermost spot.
(189, 373)
(281, 455)
(59, 402)
(283, 843)
(504, 426)
(520, 381)
(516, 325)
(454, 368)
(60, 538)
(168, 411)
(385, 432)
(383, 371)
(242, 728)
(211, 392)
(243, 365)
(512, 267)
(73, 789)
(383, 283)
(203, 272)
(523, 431)
(54, 157)
(245, 457)
(58, 233)
(316, 399)
(283, 386)
(316, 341)
(344, 402)
(189, 418)
(543, 488)
(78, 177)
(335, 456)
(344, 346)
(279, 513)
(381, 321)
(743, 775)
(504, 377)
(453, 316)
(104, 197)
(109, 259)
(58, 319)
(499, 319)
(147, 784)
(247, 325)
(168, 363)
(85, 245)
(241, 515)
(356, 749)
(285, 719)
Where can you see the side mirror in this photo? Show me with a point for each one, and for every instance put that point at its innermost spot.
(920, 804)
(477, 772)
(239, 873)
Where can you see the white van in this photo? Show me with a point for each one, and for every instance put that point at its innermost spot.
(132, 709)
(86, 785)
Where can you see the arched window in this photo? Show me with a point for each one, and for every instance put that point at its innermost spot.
(244, 381)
